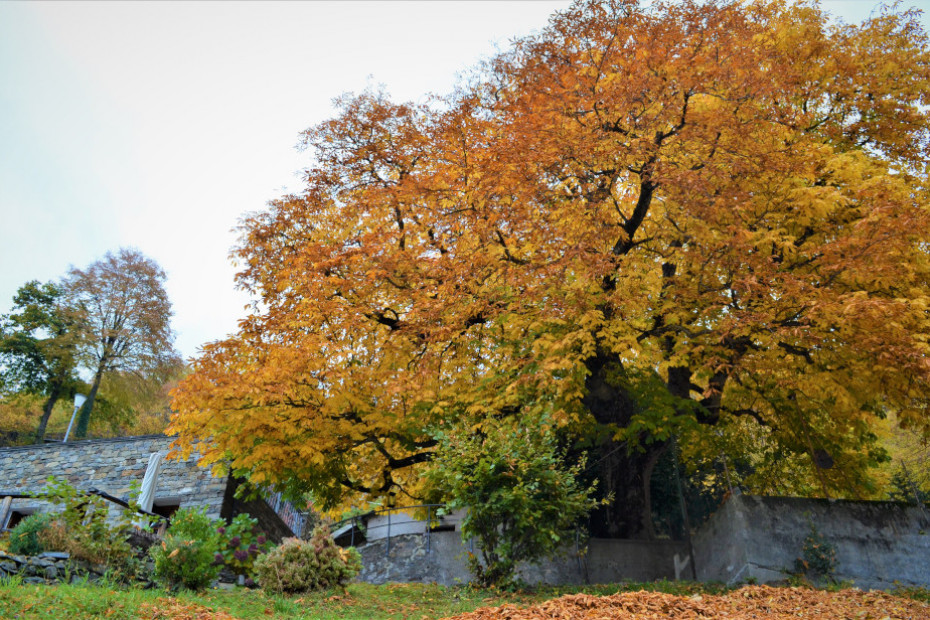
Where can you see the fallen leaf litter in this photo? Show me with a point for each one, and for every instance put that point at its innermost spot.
(747, 603)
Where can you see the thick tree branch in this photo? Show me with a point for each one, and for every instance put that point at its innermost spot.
(798, 351)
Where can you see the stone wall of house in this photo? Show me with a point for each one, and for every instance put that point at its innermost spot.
(110, 465)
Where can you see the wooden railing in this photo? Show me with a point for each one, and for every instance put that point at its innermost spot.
(293, 518)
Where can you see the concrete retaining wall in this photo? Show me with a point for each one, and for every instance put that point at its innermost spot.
(878, 544)
(441, 558)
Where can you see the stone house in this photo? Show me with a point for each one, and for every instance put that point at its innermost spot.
(112, 465)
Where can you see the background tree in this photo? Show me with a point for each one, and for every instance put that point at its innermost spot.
(138, 402)
(125, 319)
(703, 220)
(38, 343)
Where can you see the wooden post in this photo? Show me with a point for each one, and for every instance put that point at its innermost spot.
(5, 510)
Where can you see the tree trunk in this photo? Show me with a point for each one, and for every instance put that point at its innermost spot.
(47, 413)
(626, 477)
(84, 418)
(623, 472)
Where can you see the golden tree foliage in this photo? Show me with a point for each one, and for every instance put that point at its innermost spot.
(640, 222)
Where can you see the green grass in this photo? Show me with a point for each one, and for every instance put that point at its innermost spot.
(360, 601)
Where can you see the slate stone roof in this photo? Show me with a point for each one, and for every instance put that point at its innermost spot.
(110, 465)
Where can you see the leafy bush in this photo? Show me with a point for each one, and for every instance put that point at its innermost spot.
(25, 537)
(84, 530)
(186, 556)
(521, 497)
(194, 524)
(241, 542)
(302, 565)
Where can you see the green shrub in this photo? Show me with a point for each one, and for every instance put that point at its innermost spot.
(523, 499)
(24, 538)
(186, 556)
(303, 565)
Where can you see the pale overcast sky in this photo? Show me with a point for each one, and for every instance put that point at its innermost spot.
(158, 124)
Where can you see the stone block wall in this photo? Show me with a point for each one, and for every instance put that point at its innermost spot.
(109, 465)
(50, 568)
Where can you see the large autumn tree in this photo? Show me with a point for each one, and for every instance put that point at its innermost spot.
(697, 220)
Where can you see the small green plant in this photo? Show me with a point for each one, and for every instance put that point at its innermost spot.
(916, 593)
(818, 557)
(11, 581)
(241, 542)
(25, 537)
(305, 565)
(186, 556)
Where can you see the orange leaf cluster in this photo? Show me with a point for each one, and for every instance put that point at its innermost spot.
(750, 602)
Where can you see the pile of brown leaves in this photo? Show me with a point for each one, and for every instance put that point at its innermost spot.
(748, 602)
(171, 609)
